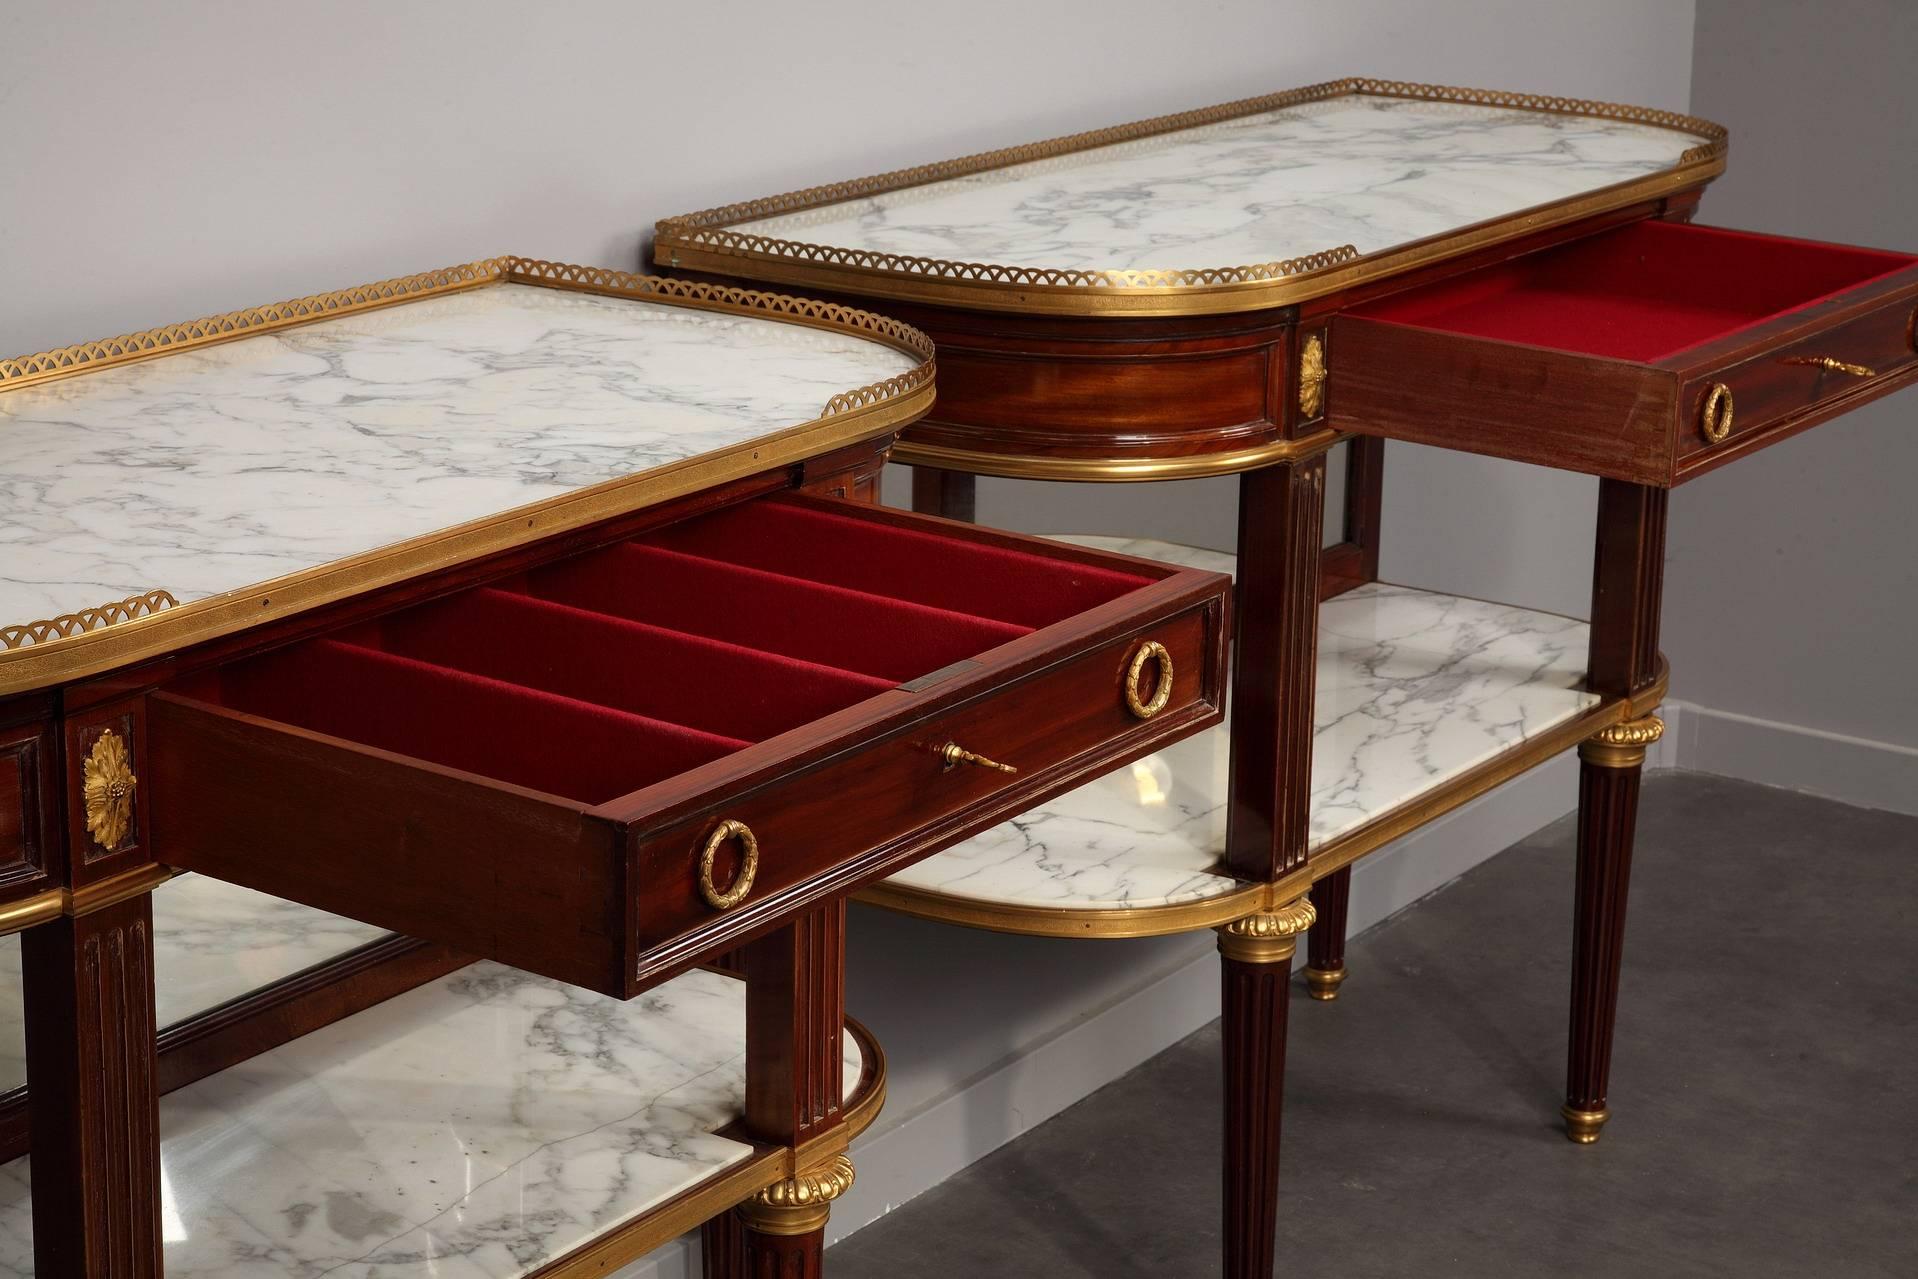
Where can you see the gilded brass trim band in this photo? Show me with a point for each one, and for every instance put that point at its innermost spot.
(128, 348)
(1107, 922)
(1582, 1126)
(1251, 898)
(704, 240)
(32, 911)
(800, 1204)
(1323, 983)
(1622, 745)
(87, 619)
(1113, 469)
(115, 889)
(862, 413)
(1268, 937)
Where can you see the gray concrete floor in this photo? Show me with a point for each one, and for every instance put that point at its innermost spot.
(1764, 1084)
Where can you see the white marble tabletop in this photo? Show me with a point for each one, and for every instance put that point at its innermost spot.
(1374, 173)
(1413, 688)
(474, 1128)
(225, 467)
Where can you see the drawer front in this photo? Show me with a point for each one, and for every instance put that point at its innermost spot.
(530, 769)
(869, 809)
(1650, 353)
(1796, 382)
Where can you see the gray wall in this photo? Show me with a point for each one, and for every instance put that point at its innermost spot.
(168, 161)
(1792, 585)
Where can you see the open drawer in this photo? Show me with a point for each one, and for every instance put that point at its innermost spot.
(609, 766)
(1648, 353)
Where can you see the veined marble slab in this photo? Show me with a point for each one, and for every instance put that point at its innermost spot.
(223, 468)
(1413, 688)
(212, 941)
(1372, 172)
(475, 1128)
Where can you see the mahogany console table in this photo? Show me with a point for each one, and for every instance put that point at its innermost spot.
(1238, 290)
(540, 615)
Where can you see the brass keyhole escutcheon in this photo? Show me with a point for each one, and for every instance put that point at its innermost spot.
(1716, 419)
(1149, 653)
(742, 883)
(1911, 330)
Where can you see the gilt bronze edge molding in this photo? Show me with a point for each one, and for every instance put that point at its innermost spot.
(30, 912)
(1622, 744)
(1114, 470)
(273, 317)
(1269, 936)
(120, 634)
(67, 625)
(1055, 921)
(704, 241)
(1252, 898)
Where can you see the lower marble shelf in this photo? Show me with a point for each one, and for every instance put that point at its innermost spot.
(1415, 690)
(478, 1127)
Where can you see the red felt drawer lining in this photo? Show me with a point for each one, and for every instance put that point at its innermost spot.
(647, 670)
(1641, 292)
(895, 640)
(908, 564)
(598, 675)
(530, 738)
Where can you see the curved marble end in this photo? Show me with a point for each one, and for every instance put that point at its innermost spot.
(1414, 688)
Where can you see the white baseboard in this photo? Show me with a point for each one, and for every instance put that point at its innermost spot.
(1853, 770)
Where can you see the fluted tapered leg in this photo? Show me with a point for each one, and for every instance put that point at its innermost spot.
(1256, 968)
(801, 1256)
(1610, 765)
(1325, 944)
(95, 1112)
(722, 1247)
(795, 1011)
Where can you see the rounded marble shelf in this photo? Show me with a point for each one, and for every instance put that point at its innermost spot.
(1416, 689)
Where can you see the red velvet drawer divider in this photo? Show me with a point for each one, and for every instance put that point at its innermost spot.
(893, 639)
(523, 736)
(909, 564)
(647, 670)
